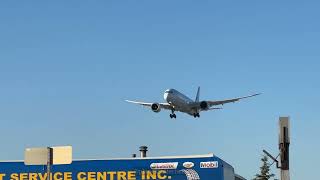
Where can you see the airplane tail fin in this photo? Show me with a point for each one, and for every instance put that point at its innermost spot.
(198, 94)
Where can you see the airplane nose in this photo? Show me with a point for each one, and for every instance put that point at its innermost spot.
(165, 96)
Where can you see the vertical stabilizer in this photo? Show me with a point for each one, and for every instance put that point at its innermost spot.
(198, 94)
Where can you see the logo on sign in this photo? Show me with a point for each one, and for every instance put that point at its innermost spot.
(169, 165)
(209, 164)
(188, 164)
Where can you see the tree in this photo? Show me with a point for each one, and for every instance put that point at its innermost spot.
(265, 173)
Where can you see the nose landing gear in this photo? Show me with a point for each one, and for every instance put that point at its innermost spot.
(172, 115)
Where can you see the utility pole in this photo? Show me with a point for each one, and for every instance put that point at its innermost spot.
(284, 142)
(49, 161)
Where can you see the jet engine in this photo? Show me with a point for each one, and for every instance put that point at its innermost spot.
(155, 107)
(204, 105)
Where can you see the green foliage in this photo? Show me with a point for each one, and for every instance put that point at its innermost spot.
(265, 173)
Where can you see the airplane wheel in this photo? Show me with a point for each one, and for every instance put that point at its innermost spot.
(174, 115)
(171, 116)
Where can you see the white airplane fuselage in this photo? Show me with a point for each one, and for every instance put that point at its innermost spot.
(179, 101)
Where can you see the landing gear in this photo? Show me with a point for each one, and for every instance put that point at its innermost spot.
(172, 115)
(196, 115)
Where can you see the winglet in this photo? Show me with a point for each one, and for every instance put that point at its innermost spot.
(257, 94)
(244, 97)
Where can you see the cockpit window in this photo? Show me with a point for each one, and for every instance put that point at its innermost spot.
(169, 91)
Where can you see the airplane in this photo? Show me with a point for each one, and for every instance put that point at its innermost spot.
(176, 101)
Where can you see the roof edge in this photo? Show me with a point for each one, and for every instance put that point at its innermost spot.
(136, 158)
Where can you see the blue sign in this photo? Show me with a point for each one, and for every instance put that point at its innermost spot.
(183, 167)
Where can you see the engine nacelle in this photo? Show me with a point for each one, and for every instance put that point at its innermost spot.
(155, 107)
(204, 105)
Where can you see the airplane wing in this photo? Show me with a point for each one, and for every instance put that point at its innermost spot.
(162, 105)
(222, 102)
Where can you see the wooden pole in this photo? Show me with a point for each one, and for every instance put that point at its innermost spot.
(49, 162)
(284, 142)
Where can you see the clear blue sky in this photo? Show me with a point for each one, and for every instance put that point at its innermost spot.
(67, 67)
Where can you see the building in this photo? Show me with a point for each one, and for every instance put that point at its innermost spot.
(143, 168)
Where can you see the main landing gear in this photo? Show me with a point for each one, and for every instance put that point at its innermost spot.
(196, 115)
(172, 115)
